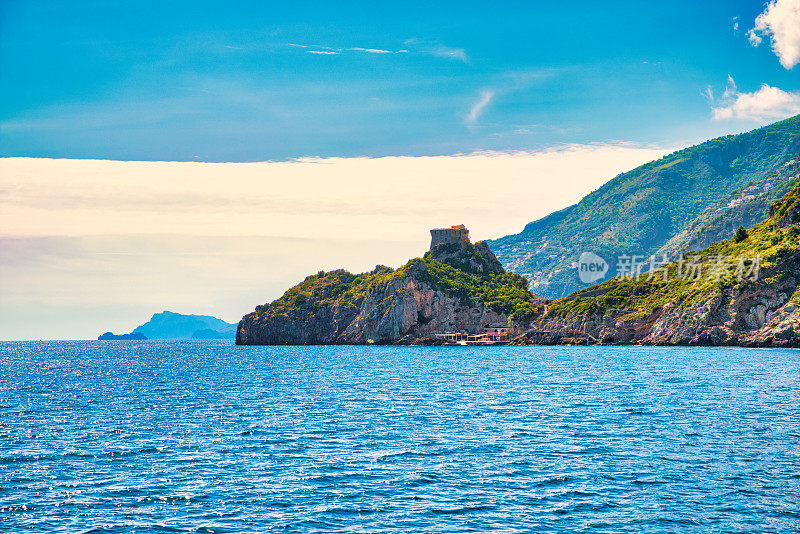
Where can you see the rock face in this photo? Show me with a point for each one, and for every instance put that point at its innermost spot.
(764, 318)
(404, 306)
(410, 308)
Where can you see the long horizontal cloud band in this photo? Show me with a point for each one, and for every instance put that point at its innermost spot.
(358, 198)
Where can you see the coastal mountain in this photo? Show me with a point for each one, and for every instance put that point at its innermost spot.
(744, 290)
(640, 211)
(455, 287)
(746, 206)
(170, 325)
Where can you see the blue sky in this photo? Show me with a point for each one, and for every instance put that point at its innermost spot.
(254, 81)
(404, 117)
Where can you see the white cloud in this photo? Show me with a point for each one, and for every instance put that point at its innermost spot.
(437, 49)
(84, 197)
(765, 105)
(506, 83)
(730, 88)
(330, 51)
(450, 53)
(477, 108)
(370, 50)
(433, 50)
(780, 21)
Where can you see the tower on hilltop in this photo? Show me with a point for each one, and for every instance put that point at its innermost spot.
(454, 234)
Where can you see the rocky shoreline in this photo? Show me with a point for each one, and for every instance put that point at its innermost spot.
(404, 311)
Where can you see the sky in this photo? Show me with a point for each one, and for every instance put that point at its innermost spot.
(280, 138)
(104, 244)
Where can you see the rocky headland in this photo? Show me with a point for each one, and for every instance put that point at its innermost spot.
(455, 287)
(744, 291)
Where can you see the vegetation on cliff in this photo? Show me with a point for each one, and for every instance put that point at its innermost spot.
(475, 274)
(639, 211)
(766, 255)
(470, 272)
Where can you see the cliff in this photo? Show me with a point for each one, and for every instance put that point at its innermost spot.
(741, 291)
(453, 287)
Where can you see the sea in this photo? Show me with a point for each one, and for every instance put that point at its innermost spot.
(180, 436)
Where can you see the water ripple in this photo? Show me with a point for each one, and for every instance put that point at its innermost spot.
(207, 437)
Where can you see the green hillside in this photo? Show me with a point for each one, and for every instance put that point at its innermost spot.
(763, 257)
(746, 206)
(639, 211)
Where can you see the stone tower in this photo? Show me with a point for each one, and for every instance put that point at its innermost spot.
(454, 234)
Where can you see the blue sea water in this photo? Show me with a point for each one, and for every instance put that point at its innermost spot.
(210, 437)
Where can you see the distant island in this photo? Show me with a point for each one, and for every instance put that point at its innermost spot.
(110, 336)
(170, 325)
